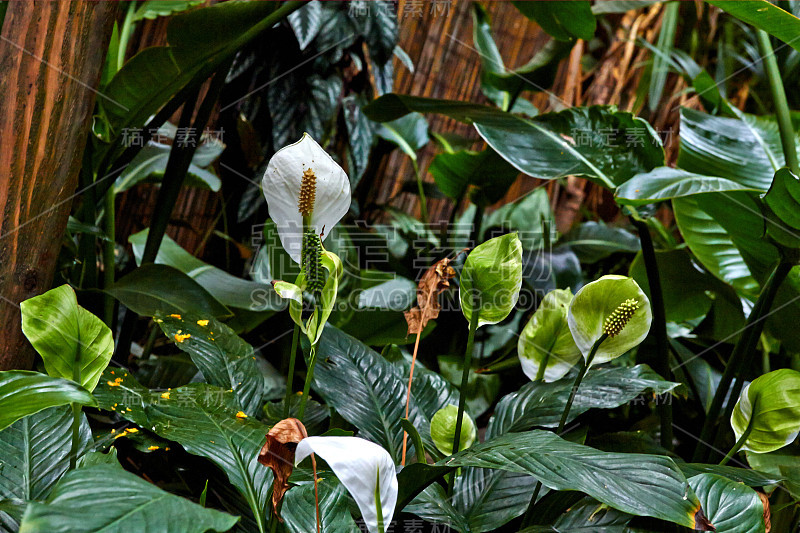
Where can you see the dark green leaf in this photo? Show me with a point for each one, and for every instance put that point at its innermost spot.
(118, 391)
(369, 392)
(225, 288)
(306, 22)
(643, 485)
(203, 419)
(24, 393)
(766, 16)
(409, 133)
(732, 507)
(485, 170)
(564, 21)
(593, 241)
(588, 516)
(223, 357)
(107, 498)
(393, 106)
(34, 453)
(783, 200)
(751, 478)
(299, 508)
(152, 9)
(597, 142)
(665, 183)
(153, 289)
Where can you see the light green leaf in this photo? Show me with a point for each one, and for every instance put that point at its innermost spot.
(664, 183)
(493, 270)
(151, 161)
(546, 348)
(770, 406)
(223, 357)
(152, 9)
(486, 171)
(409, 133)
(732, 507)
(595, 303)
(74, 344)
(443, 429)
(527, 215)
(109, 499)
(24, 393)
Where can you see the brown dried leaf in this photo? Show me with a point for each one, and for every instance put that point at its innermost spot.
(278, 455)
(767, 513)
(435, 281)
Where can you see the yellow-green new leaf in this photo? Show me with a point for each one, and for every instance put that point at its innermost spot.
(74, 344)
(771, 405)
(443, 430)
(594, 305)
(493, 270)
(546, 348)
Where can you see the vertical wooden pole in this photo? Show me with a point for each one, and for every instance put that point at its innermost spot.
(51, 57)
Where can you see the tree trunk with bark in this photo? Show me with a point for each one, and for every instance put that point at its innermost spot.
(51, 57)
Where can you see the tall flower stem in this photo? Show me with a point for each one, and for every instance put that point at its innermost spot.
(312, 358)
(290, 377)
(462, 397)
(659, 331)
(408, 395)
(744, 346)
(740, 442)
(109, 262)
(779, 100)
(423, 201)
(467, 364)
(528, 518)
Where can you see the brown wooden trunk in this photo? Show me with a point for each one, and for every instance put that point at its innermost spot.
(51, 57)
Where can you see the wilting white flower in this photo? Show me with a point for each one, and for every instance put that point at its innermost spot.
(302, 179)
(361, 466)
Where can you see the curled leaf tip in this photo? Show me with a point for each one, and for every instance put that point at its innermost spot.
(616, 321)
(278, 454)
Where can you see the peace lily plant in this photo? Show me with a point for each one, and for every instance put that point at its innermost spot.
(307, 194)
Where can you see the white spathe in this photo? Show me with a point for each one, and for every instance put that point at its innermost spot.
(358, 464)
(281, 187)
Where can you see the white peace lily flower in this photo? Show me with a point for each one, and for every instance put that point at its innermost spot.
(361, 466)
(325, 196)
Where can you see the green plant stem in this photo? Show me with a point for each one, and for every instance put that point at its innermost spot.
(528, 518)
(462, 397)
(290, 376)
(659, 330)
(740, 442)
(76, 413)
(779, 100)
(423, 201)
(109, 259)
(378, 506)
(312, 360)
(744, 346)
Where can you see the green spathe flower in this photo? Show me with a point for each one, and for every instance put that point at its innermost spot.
(546, 348)
(612, 305)
(771, 404)
(443, 429)
(493, 270)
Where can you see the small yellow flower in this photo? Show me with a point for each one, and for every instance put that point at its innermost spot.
(176, 316)
(241, 414)
(202, 323)
(132, 430)
(152, 448)
(181, 337)
(112, 383)
(165, 395)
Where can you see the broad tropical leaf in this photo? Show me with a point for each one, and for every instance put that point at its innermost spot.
(766, 16)
(732, 507)
(107, 498)
(73, 343)
(564, 22)
(768, 410)
(299, 512)
(643, 485)
(206, 421)
(665, 183)
(24, 393)
(34, 453)
(223, 357)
